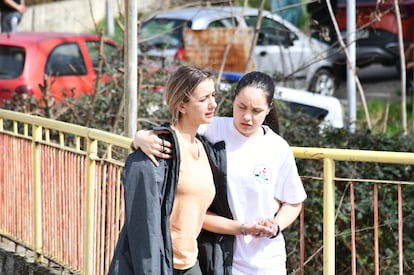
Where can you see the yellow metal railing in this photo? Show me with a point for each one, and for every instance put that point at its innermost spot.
(61, 193)
(63, 171)
(329, 156)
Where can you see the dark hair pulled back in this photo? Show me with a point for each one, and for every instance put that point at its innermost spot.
(264, 82)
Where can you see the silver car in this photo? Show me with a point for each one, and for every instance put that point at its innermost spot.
(282, 50)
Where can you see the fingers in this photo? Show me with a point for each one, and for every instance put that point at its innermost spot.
(158, 140)
(163, 152)
(162, 147)
(153, 146)
(260, 230)
(165, 143)
(154, 160)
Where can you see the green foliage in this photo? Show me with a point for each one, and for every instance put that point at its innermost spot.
(386, 117)
(118, 35)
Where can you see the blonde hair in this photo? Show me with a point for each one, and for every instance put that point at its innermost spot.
(181, 85)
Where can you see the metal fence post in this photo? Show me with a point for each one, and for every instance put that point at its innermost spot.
(37, 179)
(92, 150)
(329, 217)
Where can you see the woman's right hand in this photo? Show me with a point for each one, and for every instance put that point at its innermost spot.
(152, 145)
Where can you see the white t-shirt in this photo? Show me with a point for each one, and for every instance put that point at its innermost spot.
(261, 170)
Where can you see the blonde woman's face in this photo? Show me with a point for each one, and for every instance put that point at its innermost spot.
(200, 109)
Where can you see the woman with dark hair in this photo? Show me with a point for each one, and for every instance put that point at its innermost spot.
(263, 185)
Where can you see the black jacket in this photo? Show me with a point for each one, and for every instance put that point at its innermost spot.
(144, 245)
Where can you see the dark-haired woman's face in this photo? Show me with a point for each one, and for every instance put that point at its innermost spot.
(249, 111)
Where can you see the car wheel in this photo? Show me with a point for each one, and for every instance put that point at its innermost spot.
(323, 82)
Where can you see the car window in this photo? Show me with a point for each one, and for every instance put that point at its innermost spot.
(65, 59)
(12, 62)
(313, 112)
(110, 55)
(223, 23)
(271, 32)
(163, 33)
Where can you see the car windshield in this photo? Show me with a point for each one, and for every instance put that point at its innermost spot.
(12, 62)
(163, 33)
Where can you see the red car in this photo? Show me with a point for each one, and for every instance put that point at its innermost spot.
(67, 62)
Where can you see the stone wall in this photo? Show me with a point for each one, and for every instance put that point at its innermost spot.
(73, 15)
(17, 260)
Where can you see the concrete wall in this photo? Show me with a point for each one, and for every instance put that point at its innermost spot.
(17, 260)
(73, 15)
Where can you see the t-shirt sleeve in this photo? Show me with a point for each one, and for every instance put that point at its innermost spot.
(290, 187)
(214, 130)
(202, 129)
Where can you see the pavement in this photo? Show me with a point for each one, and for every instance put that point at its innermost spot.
(378, 82)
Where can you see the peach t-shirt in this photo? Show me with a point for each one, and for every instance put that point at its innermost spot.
(195, 192)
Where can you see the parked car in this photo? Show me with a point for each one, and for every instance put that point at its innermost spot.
(377, 29)
(326, 110)
(68, 63)
(282, 50)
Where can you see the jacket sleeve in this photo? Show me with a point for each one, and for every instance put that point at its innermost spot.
(140, 248)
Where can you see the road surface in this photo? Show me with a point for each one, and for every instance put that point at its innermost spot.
(377, 82)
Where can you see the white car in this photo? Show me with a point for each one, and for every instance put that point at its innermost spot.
(282, 50)
(326, 109)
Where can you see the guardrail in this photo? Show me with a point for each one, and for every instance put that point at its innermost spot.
(62, 198)
(61, 194)
(329, 157)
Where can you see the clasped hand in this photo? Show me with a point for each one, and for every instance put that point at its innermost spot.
(263, 228)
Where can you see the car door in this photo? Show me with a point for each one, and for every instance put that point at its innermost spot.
(279, 51)
(68, 73)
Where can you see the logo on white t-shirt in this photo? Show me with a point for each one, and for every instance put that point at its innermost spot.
(261, 174)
